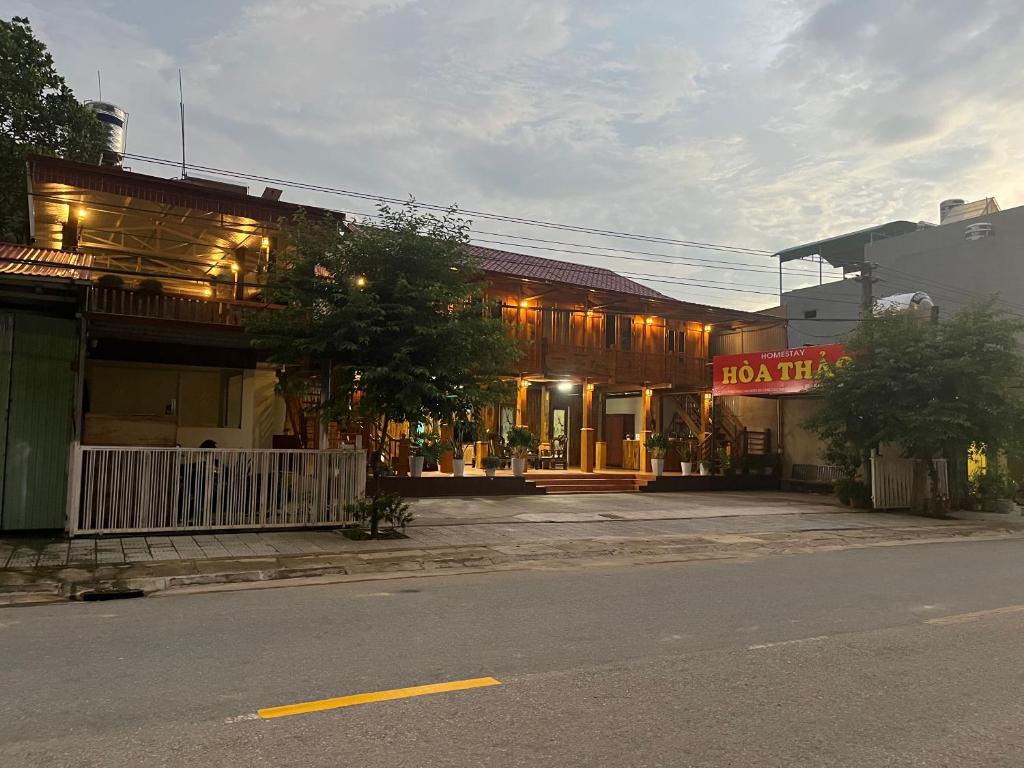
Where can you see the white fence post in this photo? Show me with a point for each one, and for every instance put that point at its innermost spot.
(74, 494)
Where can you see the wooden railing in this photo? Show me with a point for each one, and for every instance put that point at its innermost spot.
(104, 300)
(614, 365)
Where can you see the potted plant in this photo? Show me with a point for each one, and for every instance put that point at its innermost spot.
(657, 446)
(685, 451)
(519, 441)
(463, 435)
(724, 461)
(491, 464)
(416, 459)
(428, 447)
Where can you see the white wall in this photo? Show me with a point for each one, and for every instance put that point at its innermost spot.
(633, 405)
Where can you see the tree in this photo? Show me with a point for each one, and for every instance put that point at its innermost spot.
(38, 114)
(393, 311)
(932, 389)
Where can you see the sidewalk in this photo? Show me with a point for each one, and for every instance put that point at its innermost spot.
(40, 571)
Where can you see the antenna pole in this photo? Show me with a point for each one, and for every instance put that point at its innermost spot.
(99, 85)
(181, 104)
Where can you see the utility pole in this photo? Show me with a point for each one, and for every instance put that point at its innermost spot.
(867, 297)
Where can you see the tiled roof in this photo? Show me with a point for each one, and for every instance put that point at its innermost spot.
(552, 270)
(43, 262)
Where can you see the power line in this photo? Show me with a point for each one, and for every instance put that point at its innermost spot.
(468, 211)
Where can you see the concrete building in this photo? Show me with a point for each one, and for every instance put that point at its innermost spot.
(975, 252)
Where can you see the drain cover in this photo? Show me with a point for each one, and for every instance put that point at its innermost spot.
(112, 594)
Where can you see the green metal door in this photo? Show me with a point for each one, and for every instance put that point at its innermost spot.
(37, 386)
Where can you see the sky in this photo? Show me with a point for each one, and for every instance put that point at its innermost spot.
(759, 124)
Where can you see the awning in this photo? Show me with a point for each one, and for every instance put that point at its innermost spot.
(847, 250)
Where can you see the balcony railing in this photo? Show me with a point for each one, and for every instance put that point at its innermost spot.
(126, 302)
(613, 365)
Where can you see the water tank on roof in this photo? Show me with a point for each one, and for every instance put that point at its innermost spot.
(947, 205)
(116, 121)
(905, 303)
(979, 231)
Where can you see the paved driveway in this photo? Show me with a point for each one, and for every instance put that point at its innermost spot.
(597, 507)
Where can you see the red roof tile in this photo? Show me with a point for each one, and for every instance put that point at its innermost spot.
(554, 271)
(43, 262)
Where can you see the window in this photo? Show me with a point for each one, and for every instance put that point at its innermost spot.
(609, 331)
(625, 332)
(670, 340)
(560, 326)
(810, 314)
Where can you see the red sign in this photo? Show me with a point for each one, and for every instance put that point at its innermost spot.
(783, 372)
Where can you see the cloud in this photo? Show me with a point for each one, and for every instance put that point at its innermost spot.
(741, 122)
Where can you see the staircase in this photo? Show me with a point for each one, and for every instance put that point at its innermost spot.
(587, 482)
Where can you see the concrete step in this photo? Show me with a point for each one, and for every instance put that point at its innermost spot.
(588, 484)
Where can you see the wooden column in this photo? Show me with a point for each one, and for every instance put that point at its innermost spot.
(645, 464)
(241, 259)
(444, 464)
(586, 430)
(521, 403)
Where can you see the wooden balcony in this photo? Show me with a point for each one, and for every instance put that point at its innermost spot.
(613, 366)
(174, 307)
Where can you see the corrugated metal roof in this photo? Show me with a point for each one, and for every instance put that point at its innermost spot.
(554, 271)
(43, 262)
(846, 250)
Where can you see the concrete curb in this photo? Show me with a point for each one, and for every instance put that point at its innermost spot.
(44, 586)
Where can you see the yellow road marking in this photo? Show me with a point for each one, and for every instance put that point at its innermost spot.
(368, 698)
(961, 618)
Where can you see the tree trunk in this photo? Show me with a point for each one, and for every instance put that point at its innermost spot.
(377, 461)
(917, 487)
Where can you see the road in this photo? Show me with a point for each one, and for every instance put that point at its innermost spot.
(898, 656)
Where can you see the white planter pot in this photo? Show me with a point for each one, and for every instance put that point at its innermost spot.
(416, 466)
(658, 467)
(458, 467)
(705, 468)
(490, 472)
(519, 466)
(687, 467)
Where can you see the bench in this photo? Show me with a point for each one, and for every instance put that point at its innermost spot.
(817, 477)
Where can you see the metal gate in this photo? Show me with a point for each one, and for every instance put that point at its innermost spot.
(892, 482)
(37, 386)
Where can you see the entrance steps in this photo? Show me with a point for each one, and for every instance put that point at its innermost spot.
(587, 482)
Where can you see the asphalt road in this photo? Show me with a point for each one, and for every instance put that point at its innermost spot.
(877, 657)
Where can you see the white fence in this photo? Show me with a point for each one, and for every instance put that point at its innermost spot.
(141, 490)
(892, 482)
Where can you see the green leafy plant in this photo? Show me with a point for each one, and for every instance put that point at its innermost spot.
(933, 389)
(991, 485)
(684, 449)
(387, 508)
(657, 445)
(429, 446)
(724, 460)
(38, 114)
(853, 492)
(520, 441)
(491, 462)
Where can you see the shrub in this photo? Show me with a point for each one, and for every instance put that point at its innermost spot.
(430, 446)
(491, 462)
(388, 508)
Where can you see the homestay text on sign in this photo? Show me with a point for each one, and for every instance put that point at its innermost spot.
(783, 372)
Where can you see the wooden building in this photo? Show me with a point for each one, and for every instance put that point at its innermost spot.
(150, 279)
